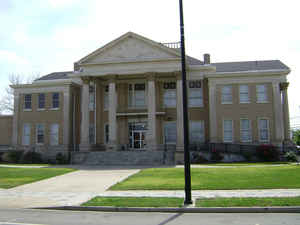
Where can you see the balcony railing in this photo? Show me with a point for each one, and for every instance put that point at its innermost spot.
(172, 44)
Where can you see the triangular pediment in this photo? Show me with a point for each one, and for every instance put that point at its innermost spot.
(130, 47)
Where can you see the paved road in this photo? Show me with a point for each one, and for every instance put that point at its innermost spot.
(69, 189)
(12, 217)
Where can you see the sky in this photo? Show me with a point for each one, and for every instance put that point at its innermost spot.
(44, 36)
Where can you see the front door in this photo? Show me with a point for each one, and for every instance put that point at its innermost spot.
(137, 134)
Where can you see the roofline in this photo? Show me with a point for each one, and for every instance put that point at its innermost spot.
(45, 84)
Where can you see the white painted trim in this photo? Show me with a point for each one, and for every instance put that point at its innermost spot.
(250, 128)
(269, 133)
(249, 99)
(247, 73)
(36, 133)
(232, 131)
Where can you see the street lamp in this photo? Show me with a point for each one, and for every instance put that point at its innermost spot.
(187, 165)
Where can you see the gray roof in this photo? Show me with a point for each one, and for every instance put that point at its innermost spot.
(56, 76)
(250, 66)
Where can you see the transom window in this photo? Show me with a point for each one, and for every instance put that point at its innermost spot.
(42, 101)
(170, 132)
(244, 94)
(263, 126)
(227, 130)
(261, 93)
(196, 132)
(169, 98)
(226, 94)
(27, 101)
(55, 100)
(26, 134)
(40, 133)
(137, 95)
(54, 134)
(195, 94)
(245, 128)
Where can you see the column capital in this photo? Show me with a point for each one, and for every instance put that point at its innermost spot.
(178, 75)
(284, 86)
(151, 76)
(86, 80)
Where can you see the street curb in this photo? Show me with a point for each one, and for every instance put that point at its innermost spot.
(179, 210)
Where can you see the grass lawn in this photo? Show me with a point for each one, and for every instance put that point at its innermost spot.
(19, 164)
(248, 202)
(135, 202)
(286, 176)
(12, 177)
(245, 164)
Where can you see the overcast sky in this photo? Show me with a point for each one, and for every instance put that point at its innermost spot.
(43, 36)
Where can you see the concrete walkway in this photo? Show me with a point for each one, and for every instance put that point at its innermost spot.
(69, 189)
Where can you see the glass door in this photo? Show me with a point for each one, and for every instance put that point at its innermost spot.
(137, 135)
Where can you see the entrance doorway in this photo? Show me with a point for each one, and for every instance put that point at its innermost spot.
(137, 135)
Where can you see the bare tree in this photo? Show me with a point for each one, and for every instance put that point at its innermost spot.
(7, 101)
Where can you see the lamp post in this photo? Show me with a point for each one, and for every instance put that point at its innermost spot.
(187, 165)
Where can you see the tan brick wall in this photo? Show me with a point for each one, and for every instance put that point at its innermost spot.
(6, 130)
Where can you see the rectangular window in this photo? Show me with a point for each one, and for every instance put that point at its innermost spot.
(26, 134)
(227, 94)
(106, 133)
(105, 98)
(245, 128)
(169, 98)
(196, 130)
(244, 94)
(55, 100)
(42, 101)
(170, 132)
(27, 101)
(92, 97)
(261, 93)
(137, 95)
(92, 134)
(263, 126)
(40, 134)
(54, 134)
(228, 130)
(195, 94)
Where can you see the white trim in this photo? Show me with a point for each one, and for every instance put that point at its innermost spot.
(27, 110)
(23, 137)
(231, 92)
(232, 131)
(249, 100)
(54, 109)
(250, 130)
(201, 122)
(266, 93)
(269, 133)
(51, 134)
(133, 89)
(247, 73)
(36, 133)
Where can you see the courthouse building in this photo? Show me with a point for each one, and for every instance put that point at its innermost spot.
(127, 97)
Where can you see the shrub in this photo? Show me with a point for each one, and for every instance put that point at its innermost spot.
(198, 158)
(290, 156)
(12, 156)
(267, 153)
(247, 155)
(61, 158)
(32, 157)
(216, 156)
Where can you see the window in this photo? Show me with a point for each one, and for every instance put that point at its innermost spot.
(195, 94)
(261, 93)
(169, 94)
(244, 94)
(106, 133)
(245, 128)
(26, 134)
(27, 101)
(92, 134)
(227, 94)
(92, 97)
(105, 100)
(263, 126)
(42, 101)
(54, 134)
(55, 100)
(40, 134)
(228, 130)
(170, 132)
(196, 132)
(137, 95)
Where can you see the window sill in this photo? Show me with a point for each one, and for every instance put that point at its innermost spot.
(226, 103)
(199, 106)
(262, 102)
(43, 109)
(249, 141)
(54, 109)
(27, 110)
(245, 102)
(137, 107)
(40, 144)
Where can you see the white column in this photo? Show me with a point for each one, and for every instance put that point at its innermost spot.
(212, 112)
(67, 115)
(85, 116)
(179, 106)
(112, 115)
(151, 133)
(277, 107)
(15, 119)
(286, 113)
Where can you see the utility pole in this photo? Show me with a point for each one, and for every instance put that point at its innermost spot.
(187, 164)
